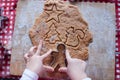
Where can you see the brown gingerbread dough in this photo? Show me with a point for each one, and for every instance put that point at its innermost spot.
(61, 26)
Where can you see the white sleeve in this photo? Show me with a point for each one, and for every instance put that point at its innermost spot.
(29, 75)
(87, 79)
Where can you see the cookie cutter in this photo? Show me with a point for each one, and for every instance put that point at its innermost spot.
(61, 48)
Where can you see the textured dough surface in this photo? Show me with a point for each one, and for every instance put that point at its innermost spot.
(61, 23)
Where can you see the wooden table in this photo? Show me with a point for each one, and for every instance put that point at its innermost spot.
(101, 20)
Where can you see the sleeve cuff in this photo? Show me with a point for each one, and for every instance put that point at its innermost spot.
(87, 79)
(29, 75)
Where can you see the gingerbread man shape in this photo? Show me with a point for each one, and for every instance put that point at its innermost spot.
(58, 57)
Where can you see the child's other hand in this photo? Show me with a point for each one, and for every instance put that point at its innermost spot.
(34, 61)
(75, 68)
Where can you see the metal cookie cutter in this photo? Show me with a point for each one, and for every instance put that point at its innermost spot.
(58, 57)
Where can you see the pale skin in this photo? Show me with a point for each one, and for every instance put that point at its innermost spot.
(34, 58)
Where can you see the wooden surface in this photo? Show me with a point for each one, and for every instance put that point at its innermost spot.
(101, 20)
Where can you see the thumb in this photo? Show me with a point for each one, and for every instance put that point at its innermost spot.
(63, 69)
(46, 54)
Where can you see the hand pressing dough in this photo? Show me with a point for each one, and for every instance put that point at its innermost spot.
(61, 23)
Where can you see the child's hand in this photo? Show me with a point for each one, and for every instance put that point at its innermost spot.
(35, 61)
(75, 68)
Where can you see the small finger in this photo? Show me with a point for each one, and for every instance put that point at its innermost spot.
(63, 69)
(48, 68)
(32, 49)
(26, 57)
(30, 53)
(46, 54)
(39, 47)
(68, 57)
